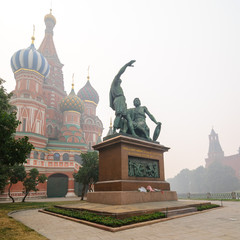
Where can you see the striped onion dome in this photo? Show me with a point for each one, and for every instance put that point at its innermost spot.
(72, 103)
(30, 58)
(88, 93)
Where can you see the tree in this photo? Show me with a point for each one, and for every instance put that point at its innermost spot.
(88, 173)
(216, 178)
(17, 173)
(221, 178)
(198, 180)
(181, 182)
(12, 151)
(31, 181)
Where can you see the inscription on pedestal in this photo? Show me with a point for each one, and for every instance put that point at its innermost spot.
(142, 167)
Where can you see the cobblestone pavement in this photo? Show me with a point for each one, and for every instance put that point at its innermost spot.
(217, 224)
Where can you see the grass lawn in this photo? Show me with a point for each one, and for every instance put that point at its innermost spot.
(11, 229)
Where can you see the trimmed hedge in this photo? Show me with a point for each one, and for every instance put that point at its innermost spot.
(208, 206)
(105, 220)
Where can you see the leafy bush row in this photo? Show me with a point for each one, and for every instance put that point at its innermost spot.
(105, 220)
(208, 206)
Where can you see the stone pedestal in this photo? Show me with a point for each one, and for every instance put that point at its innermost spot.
(126, 164)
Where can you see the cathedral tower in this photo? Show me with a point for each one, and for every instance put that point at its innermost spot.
(72, 107)
(91, 124)
(30, 71)
(53, 85)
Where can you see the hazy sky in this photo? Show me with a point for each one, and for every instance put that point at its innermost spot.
(187, 68)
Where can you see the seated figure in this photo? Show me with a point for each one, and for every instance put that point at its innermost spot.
(138, 116)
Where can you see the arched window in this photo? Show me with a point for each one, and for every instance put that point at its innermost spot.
(49, 129)
(89, 122)
(35, 155)
(42, 156)
(56, 156)
(24, 124)
(56, 132)
(65, 157)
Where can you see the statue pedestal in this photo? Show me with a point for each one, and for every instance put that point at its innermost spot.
(126, 164)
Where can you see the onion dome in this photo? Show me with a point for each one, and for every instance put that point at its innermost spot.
(31, 59)
(88, 93)
(50, 17)
(72, 102)
(50, 22)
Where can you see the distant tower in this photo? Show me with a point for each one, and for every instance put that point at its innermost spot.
(215, 151)
(53, 85)
(30, 71)
(92, 126)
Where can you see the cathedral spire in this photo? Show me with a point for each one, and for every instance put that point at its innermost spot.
(110, 131)
(73, 81)
(33, 37)
(48, 50)
(88, 73)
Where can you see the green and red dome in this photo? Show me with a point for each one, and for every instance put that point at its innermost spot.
(88, 93)
(72, 103)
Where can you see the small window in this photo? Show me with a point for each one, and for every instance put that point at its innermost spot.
(49, 129)
(24, 125)
(35, 154)
(28, 84)
(56, 156)
(38, 127)
(65, 157)
(89, 122)
(42, 156)
(56, 132)
(36, 87)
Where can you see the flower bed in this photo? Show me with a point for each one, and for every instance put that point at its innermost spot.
(105, 220)
(208, 206)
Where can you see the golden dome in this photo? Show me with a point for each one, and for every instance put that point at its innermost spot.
(50, 16)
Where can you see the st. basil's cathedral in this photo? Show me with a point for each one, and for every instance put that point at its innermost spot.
(60, 126)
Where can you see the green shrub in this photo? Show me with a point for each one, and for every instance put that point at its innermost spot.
(208, 206)
(105, 220)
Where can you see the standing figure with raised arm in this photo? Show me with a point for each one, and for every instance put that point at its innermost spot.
(118, 101)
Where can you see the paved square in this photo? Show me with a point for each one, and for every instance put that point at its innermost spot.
(222, 223)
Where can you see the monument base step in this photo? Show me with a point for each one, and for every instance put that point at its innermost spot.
(181, 211)
(130, 197)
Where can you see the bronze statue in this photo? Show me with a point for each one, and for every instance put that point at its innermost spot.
(118, 101)
(131, 121)
(138, 116)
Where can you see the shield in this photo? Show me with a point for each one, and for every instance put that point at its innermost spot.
(157, 131)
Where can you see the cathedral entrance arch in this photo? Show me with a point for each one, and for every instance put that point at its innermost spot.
(57, 185)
